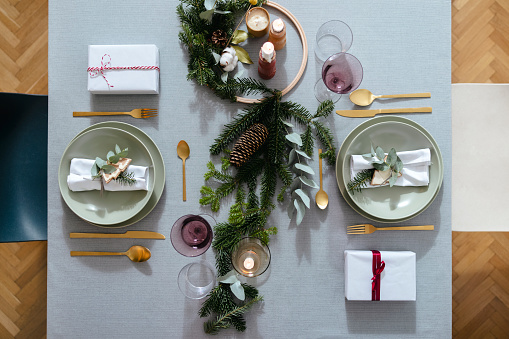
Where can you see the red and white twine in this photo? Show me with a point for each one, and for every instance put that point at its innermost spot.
(106, 66)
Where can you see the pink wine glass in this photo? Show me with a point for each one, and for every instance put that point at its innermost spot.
(191, 234)
(341, 74)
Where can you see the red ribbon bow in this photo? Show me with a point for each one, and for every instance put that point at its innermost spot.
(106, 66)
(378, 267)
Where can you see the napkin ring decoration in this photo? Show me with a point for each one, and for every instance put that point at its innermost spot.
(106, 66)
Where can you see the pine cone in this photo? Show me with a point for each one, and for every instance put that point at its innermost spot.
(219, 38)
(248, 143)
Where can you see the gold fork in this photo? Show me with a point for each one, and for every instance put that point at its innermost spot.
(139, 113)
(368, 228)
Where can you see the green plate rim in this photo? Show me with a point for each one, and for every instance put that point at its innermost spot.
(348, 139)
(63, 186)
(158, 189)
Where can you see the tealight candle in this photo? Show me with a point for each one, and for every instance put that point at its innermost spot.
(257, 21)
(249, 263)
(267, 61)
(277, 34)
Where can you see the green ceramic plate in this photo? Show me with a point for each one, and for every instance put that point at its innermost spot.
(159, 176)
(112, 207)
(386, 204)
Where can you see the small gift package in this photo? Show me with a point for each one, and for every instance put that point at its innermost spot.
(380, 275)
(123, 69)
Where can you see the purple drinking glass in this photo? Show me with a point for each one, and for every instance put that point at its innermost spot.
(191, 234)
(341, 74)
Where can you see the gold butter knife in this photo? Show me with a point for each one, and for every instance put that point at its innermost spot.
(126, 235)
(366, 113)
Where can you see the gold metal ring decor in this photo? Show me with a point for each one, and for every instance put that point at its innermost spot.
(259, 146)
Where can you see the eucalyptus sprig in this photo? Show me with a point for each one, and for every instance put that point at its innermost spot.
(102, 166)
(383, 162)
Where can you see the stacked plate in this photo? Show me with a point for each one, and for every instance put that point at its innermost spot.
(389, 204)
(121, 208)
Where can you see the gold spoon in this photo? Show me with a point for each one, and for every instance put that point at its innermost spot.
(363, 97)
(321, 198)
(183, 152)
(135, 253)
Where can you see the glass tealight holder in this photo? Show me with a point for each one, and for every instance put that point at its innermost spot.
(251, 257)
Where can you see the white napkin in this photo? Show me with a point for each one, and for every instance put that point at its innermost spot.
(415, 170)
(80, 178)
(397, 281)
(124, 81)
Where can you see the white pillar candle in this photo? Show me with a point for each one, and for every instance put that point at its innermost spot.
(249, 263)
(258, 22)
(268, 51)
(278, 25)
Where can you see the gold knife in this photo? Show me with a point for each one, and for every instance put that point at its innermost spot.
(366, 113)
(126, 235)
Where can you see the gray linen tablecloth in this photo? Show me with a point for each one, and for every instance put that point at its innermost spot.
(404, 47)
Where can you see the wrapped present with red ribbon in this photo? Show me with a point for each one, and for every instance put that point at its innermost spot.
(123, 69)
(380, 275)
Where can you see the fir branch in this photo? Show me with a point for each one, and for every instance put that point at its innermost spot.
(242, 86)
(308, 141)
(225, 320)
(326, 138)
(324, 109)
(361, 180)
(264, 234)
(126, 178)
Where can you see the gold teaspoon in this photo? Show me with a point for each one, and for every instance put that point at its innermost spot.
(183, 152)
(135, 253)
(321, 198)
(363, 97)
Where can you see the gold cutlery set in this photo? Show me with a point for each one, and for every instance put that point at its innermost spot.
(135, 253)
(363, 97)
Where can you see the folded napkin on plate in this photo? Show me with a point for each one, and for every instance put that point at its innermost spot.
(80, 178)
(415, 170)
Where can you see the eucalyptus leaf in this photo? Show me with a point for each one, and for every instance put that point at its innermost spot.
(305, 168)
(292, 156)
(95, 171)
(368, 155)
(221, 12)
(224, 77)
(117, 149)
(308, 182)
(373, 153)
(399, 165)
(303, 154)
(238, 290)
(209, 4)
(239, 36)
(304, 197)
(108, 169)
(301, 210)
(295, 138)
(392, 157)
(123, 154)
(114, 158)
(100, 162)
(243, 55)
(228, 278)
(393, 178)
(217, 57)
(110, 154)
(381, 167)
(239, 74)
(380, 153)
(290, 210)
(207, 15)
(287, 123)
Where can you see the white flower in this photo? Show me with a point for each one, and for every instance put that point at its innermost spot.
(228, 60)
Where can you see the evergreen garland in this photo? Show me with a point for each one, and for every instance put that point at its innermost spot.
(268, 165)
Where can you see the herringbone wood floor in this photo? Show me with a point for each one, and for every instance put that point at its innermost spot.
(480, 53)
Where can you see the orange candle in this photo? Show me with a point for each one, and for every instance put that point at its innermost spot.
(277, 34)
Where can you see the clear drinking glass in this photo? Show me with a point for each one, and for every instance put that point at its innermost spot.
(191, 234)
(341, 74)
(196, 280)
(332, 37)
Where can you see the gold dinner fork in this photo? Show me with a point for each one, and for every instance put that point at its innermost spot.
(139, 113)
(368, 228)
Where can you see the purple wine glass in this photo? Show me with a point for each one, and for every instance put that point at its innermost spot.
(192, 235)
(341, 74)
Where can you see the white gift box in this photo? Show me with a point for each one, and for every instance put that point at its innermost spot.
(123, 69)
(397, 280)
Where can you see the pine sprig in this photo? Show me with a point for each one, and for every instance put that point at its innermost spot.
(361, 180)
(126, 178)
(231, 318)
